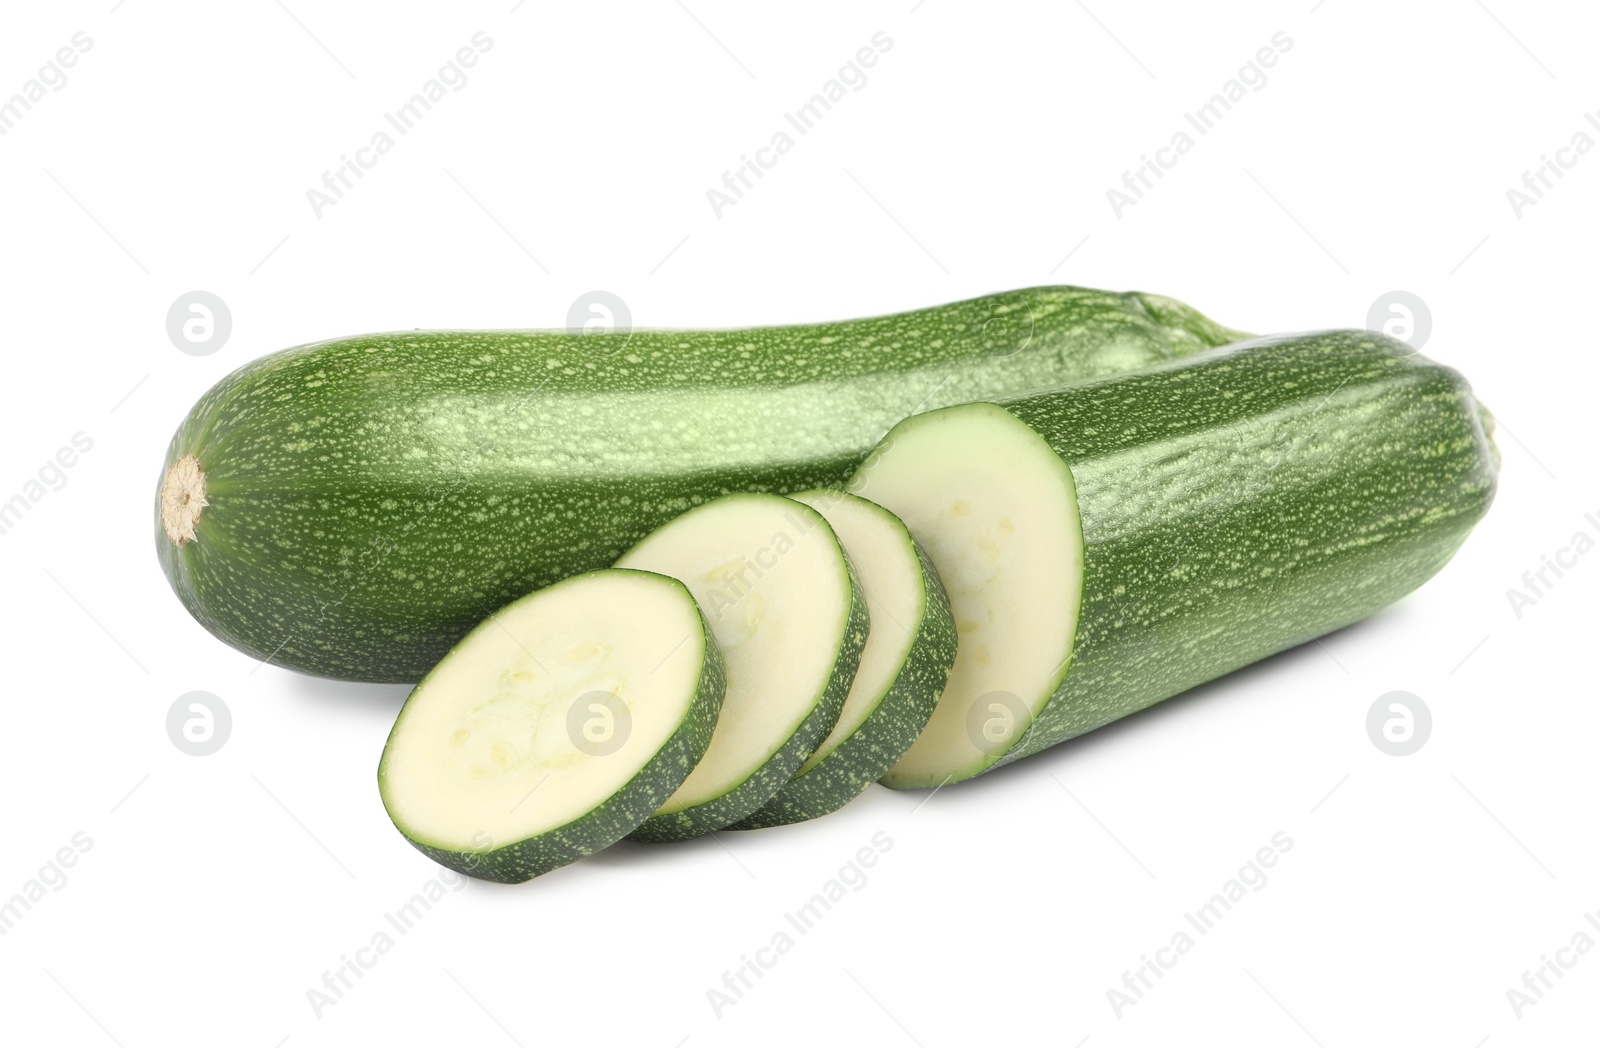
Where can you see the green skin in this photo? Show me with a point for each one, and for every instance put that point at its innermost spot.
(888, 731)
(746, 797)
(609, 821)
(372, 499)
(1246, 501)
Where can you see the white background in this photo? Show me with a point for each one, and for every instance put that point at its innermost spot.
(1377, 157)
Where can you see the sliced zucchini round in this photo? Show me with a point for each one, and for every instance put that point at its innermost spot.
(996, 508)
(781, 600)
(903, 670)
(555, 727)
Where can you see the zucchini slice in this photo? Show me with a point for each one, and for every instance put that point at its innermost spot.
(904, 666)
(996, 509)
(782, 602)
(555, 727)
(1108, 545)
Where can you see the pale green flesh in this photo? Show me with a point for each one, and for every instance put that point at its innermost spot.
(776, 592)
(892, 583)
(905, 663)
(996, 510)
(488, 750)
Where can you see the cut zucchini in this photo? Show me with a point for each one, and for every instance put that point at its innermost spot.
(781, 600)
(1155, 531)
(556, 727)
(903, 670)
(995, 508)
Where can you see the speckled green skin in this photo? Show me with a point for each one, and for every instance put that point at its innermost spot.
(738, 803)
(1245, 501)
(892, 726)
(373, 498)
(610, 821)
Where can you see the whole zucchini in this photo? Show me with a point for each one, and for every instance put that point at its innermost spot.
(352, 508)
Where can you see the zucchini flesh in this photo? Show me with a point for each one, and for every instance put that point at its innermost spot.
(1160, 529)
(352, 508)
(903, 669)
(996, 509)
(782, 602)
(556, 727)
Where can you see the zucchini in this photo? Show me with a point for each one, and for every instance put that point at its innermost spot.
(352, 508)
(554, 728)
(783, 605)
(1109, 545)
(903, 670)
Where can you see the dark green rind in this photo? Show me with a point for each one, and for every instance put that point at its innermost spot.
(739, 802)
(1248, 500)
(374, 498)
(889, 730)
(617, 816)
